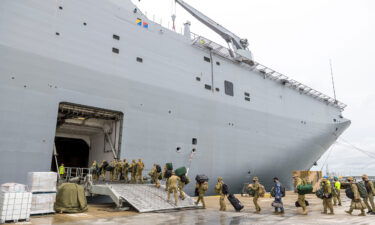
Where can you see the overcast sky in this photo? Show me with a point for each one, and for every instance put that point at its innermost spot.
(297, 38)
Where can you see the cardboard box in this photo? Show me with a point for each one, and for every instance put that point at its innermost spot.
(42, 181)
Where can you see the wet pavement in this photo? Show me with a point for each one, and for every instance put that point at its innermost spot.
(106, 215)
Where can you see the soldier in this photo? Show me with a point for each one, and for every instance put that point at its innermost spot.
(94, 170)
(140, 167)
(125, 170)
(369, 201)
(117, 170)
(103, 166)
(201, 189)
(112, 170)
(301, 198)
(173, 186)
(356, 201)
(336, 192)
(155, 176)
(219, 190)
(327, 196)
(133, 171)
(255, 186)
(181, 185)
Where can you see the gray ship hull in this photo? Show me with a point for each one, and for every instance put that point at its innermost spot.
(164, 106)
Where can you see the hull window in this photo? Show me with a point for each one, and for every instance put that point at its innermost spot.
(228, 88)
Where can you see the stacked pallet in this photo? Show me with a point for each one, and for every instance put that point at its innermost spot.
(15, 203)
(43, 187)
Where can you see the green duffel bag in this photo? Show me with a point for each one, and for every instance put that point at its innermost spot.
(169, 166)
(251, 192)
(304, 189)
(320, 193)
(180, 171)
(362, 189)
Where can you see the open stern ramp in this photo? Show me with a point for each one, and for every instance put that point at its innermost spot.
(143, 197)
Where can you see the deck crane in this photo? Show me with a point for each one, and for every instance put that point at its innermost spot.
(238, 46)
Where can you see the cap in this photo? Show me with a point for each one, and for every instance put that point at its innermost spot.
(255, 179)
(364, 176)
(350, 179)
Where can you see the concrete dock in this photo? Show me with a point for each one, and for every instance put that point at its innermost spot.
(106, 214)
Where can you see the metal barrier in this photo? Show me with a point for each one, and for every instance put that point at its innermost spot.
(76, 172)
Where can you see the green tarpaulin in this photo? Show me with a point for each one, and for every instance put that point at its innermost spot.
(70, 198)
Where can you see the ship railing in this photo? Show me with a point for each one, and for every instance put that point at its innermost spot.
(74, 172)
(266, 72)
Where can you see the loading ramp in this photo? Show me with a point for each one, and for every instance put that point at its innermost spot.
(143, 197)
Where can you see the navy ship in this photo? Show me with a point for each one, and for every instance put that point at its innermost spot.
(97, 80)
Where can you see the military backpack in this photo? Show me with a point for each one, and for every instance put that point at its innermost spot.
(225, 189)
(320, 193)
(158, 169)
(362, 189)
(349, 193)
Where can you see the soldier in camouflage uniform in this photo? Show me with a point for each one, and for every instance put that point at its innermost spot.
(219, 190)
(95, 170)
(102, 169)
(301, 198)
(356, 201)
(155, 176)
(255, 186)
(118, 169)
(181, 186)
(112, 171)
(327, 197)
(133, 171)
(173, 187)
(369, 201)
(201, 189)
(140, 167)
(125, 170)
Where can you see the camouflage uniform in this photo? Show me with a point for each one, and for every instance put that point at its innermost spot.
(301, 198)
(369, 201)
(112, 172)
(357, 201)
(181, 186)
(133, 171)
(327, 197)
(102, 169)
(219, 190)
(140, 167)
(95, 172)
(118, 170)
(256, 188)
(202, 188)
(173, 187)
(125, 170)
(155, 176)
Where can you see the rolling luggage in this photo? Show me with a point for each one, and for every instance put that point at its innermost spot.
(201, 178)
(237, 205)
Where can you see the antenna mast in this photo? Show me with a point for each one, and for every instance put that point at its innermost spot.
(333, 82)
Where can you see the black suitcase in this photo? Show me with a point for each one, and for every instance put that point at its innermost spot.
(237, 205)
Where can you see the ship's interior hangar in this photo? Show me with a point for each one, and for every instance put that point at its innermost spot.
(85, 134)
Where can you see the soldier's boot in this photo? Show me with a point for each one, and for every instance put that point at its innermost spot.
(362, 213)
(282, 211)
(349, 211)
(304, 211)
